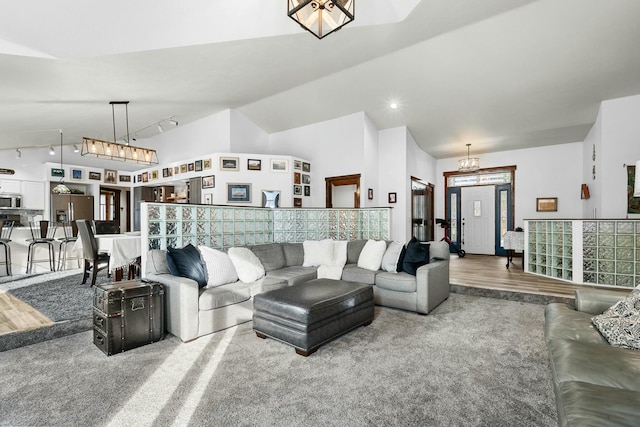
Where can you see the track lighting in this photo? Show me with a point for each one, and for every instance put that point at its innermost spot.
(75, 148)
(160, 128)
(18, 154)
(173, 122)
(52, 152)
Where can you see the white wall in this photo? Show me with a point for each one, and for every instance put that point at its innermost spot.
(246, 136)
(550, 171)
(370, 177)
(392, 165)
(593, 206)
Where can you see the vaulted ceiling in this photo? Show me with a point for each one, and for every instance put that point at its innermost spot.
(499, 74)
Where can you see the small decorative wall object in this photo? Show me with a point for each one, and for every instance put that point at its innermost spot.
(229, 164)
(208, 181)
(547, 204)
(306, 167)
(279, 165)
(307, 190)
(176, 170)
(57, 172)
(124, 178)
(183, 168)
(584, 191)
(270, 199)
(154, 174)
(296, 178)
(206, 163)
(297, 202)
(145, 176)
(370, 194)
(593, 172)
(238, 193)
(297, 190)
(95, 176)
(254, 164)
(191, 167)
(198, 165)
(306, 179)
(110, 176)
(139, 177)
(76, 174)
(165, 172)
(208, 199)
(392, 197)
(297, 164)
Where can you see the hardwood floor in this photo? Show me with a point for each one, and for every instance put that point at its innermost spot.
(16, 315)
(490, 272)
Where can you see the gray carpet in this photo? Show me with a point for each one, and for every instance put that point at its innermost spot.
(473, 362)
(62, 299)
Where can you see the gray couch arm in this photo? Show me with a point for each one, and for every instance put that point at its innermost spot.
(181, 302)
(432, 285)
(595, 301)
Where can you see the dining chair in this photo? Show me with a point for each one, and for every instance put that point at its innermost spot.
(94, 261)
(42, 233)
(6, 228)
(70, 236)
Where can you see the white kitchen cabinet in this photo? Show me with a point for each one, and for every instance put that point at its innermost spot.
(10, 186)
(33, 194)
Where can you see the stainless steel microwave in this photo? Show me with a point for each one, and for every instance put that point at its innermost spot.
(10, 200)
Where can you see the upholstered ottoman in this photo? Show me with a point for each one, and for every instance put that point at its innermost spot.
(310, 314)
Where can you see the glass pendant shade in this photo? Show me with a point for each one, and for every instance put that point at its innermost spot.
(468, 164)
(61, 189)
(636, 187)
(321, 17)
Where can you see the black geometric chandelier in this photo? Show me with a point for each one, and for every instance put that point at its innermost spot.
(322, 17)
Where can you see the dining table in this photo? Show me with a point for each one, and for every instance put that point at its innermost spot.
(124, 250)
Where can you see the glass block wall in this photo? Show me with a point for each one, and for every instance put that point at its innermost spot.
(593, 252)
(221, 227)
(611, 252)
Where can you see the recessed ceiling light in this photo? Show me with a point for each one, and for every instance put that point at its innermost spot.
(393, 105)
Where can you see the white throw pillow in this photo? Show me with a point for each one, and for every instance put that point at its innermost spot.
(317, 252)
(371, 255)
(330, 272)
(248, 266)
(390, 258)
(339, 253)
(220, 269)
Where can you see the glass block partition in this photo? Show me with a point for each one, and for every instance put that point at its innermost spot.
(594, 252)
(175, 225)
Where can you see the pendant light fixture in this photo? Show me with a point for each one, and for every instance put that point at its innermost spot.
(468, 164)
(61, 188)
(114, 150)
(321, 17)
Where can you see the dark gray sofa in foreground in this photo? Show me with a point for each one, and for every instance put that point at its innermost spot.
(192, 311)
(595, 383)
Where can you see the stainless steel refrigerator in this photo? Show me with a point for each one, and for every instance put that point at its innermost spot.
(71, 207)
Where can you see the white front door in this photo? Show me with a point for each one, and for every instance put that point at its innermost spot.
(478, 218)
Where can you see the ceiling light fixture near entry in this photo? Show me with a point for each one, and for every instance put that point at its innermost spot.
(468, 164)
(322, 17)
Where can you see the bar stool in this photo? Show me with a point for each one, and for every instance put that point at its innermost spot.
(70, 236)
(6, 228)
(42, 233)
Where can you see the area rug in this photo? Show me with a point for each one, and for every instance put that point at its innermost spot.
(61, 297)
(473, 361)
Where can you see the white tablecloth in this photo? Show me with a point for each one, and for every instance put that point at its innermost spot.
(123, 248)
(514, 240)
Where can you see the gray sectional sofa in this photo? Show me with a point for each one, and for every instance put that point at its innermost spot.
(192, 312)
(595, 383)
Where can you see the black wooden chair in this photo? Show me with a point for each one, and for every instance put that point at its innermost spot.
(94, 261)
(70, 236)
(6, 228)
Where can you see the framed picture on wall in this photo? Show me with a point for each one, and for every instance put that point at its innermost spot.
(547, 204)
(110, 176)
(279, 165)
(97, 176)
(124, 178)
(307, 190)
(306, 179)
(57, 172)
(296, 178)
(370, 194)
(208, 181)
(238, 193)
(208, 199)
(198, 165)
(254, 164)
(392, 197)
(306, 167)
(297, 164)
(297, 190)
(206, 163)
(297, 202)
(76, 174)
(229, 164)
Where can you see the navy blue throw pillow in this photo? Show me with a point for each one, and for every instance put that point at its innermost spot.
(417, 255)
(187, 262)
(401, 258)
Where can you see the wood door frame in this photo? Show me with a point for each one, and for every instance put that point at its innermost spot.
(430, 190)
(353, 179)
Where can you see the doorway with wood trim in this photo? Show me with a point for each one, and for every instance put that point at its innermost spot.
(422, 211)
(343, 191)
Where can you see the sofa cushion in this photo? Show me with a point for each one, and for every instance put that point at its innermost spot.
(247, 265)
(271, 255)
(371, 255)
(398, 282)
(417, 255)
(391, 256)
(317, 252)
(157, 262)
(403, 252)
(293, 254)
(563, 322)
(220, 269)
(334, 270)
(294, 275)
(620, 324)
(354, 247)
(353, 273)
(222, 296)
(187, 262)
